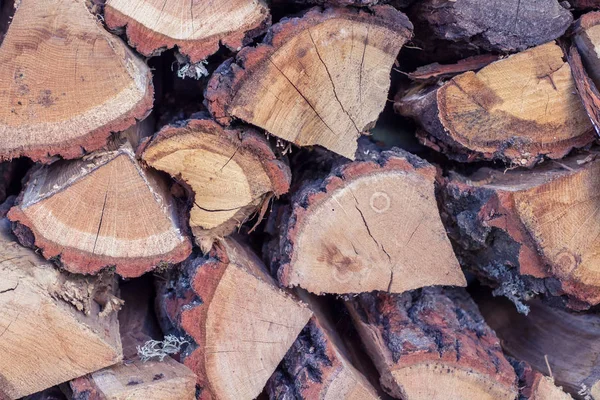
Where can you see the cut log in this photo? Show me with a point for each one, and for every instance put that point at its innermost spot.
(433, 344)
(153, 380)
(570, 342)
(53, 326)
(67, 89)
(231, 173)
(321, 79)
(530, 232)
(518, 110)
(104, 210)
(533, 385)
(492, 26)
(370, 225)
(195, 27)
(136, 379)
(241, 323)
(319, 365)
(587, 36)
(585, 4)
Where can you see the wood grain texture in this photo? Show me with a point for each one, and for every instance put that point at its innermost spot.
(66, 83)
(241, 323)
(536, 113)
(102, 211)
(231, 173)
(320, 79)
(196, 28)
(52, 325)
(371, 224)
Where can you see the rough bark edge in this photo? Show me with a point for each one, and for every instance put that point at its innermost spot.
(437, 71)
(377, 318)
(151, 43)
(313, 194)
(80, 262)
(423, 105)
(232, 74)
(502, 254)
(97, 138)
(244, 138)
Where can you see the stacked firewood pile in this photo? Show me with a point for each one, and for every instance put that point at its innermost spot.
(299, 199)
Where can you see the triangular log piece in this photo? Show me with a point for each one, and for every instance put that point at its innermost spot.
(569, 341)
(319, 365)
(433, 344)
(195, 27)
(53, 326)
(231, 173)
(321, 79)
(65, 91)
(533, 385)
(103, 210)
(516, 228)
(491, 26)
(152, 380)
(370, 225)
(436, 71)
(485, 116)
(241, 323)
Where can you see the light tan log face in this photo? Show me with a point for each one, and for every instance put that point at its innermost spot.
(373, 227)
(320, 79)
(65, 83)
(50, 326)
(231, 172)
(100, 212)
(195, 27)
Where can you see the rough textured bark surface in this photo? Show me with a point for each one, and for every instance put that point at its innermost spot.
(433, 344)
(66, 82)
(335, 237)
(104, 210)
(530, 232)
(569, 340)
(505, 26)
(195, 27)
(320, 79)
(533, 385)
(240, 322)
(435, 71)
(519, 110)
(232, 173)
(319, 365)
(53, 326)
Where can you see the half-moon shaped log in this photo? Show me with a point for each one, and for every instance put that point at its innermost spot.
(321, 79)
(65, 82)
(103, 210)
(370, 225)
(195, 27)
(535, 113)
(231, 172)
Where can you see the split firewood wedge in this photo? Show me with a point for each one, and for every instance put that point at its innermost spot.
(100, 211)
(320, 79)
(65, 82)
